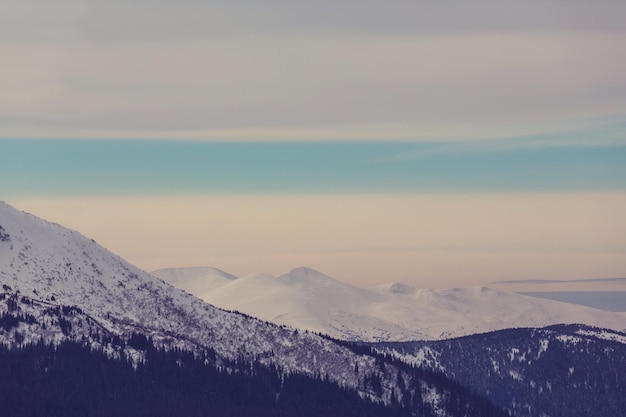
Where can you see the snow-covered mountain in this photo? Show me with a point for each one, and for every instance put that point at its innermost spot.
(307, 299)
(198, 281)
(60, 287)
(57, 285)
(54, 266)
(558, 371)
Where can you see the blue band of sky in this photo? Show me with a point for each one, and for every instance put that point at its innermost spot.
(151, 167)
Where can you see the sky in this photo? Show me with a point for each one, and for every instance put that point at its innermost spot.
(438, 144)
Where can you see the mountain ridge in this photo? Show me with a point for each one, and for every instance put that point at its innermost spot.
(58, 286)
(310, 300)
(560, 370)
(59, 289)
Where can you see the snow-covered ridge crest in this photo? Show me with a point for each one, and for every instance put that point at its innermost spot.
(399, 288)
(59, 285)
(45, 266)
(308, 299)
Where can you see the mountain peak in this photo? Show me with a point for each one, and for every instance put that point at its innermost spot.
(303, 270)
(60, 285)
(303, 274)
(399, 288)
(194, 270)
(195, 280)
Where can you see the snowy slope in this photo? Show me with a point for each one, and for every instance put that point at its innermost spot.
(69, 287)
(56, 284)
(557, 371)
(308, 299)
(196, 280)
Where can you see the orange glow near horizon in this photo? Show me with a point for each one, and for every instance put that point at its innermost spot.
(425, 240)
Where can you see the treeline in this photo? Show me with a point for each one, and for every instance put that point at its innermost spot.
(73, 380)
(553, 371)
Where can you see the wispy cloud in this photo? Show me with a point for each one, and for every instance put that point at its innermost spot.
(604, 132)
(212, 71)
(256, 117)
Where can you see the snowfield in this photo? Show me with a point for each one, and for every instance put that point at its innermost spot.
(309, 300)
(59, 285)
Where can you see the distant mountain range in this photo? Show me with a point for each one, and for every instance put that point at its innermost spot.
(608, 281)
(58, 287)
(603, 300)
(613, 285)
(82, 332)
(309, 300)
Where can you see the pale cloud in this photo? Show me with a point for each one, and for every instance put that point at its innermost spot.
(321, 71)
(428, 240)
(158, 20)
(94, 69)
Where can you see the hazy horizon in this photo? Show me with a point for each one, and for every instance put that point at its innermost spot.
(436, 144)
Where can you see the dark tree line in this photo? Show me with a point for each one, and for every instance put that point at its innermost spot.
(555, 371)
(72, 380)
